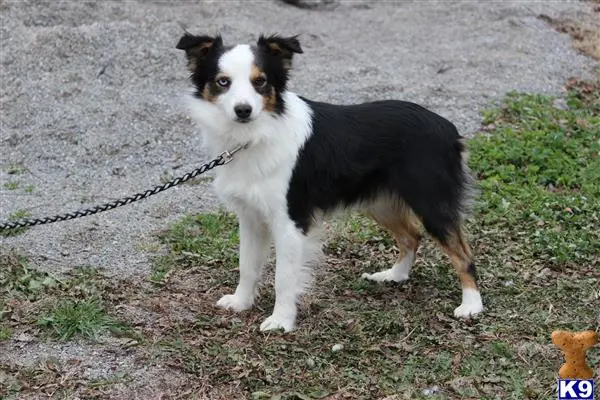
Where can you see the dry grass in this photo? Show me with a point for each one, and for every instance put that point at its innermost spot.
(584, 31)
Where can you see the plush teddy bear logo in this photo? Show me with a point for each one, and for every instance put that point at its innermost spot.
(574, 346)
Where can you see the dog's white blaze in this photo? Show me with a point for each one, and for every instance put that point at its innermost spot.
(471, 303)
(399, 272)
(237, 65)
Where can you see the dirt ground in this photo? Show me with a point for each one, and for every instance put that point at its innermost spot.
(90, 105)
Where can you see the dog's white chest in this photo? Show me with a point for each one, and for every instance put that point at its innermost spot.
(256, 183)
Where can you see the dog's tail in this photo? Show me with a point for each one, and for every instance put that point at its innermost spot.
(468, 189)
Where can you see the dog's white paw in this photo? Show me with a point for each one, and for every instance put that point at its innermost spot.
(235, 303)
(467, 310)
(276, 322)
(398, 273)
(471, 304)
(389, 275)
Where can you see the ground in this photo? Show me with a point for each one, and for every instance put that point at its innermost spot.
(121, 305)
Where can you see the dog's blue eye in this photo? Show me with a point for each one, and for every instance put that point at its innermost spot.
(223, 82)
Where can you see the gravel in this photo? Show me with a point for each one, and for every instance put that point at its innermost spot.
(90, 96)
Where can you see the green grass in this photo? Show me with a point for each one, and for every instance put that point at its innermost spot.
(539, 172)
(12, 185)
(118, 377)
(15, 216)
(86, 318)
(5, 333)
(68, 306)
(209, 239)
(20, 282)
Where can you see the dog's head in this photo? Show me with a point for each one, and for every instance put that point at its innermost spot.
(243, 81)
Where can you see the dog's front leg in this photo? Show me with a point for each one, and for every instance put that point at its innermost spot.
(254, 251)
(291, 277)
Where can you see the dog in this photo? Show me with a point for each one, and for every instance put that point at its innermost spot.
(302, 160)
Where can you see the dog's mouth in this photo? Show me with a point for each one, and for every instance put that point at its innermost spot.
(243, 120)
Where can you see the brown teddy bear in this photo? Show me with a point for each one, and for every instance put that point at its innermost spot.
(574, 346)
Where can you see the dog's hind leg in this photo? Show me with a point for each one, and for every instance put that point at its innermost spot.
(456, 247)
(402, 224)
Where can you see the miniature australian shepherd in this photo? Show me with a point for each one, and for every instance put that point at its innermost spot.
(301, 160)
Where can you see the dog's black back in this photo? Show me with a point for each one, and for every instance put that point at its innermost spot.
(359, 152)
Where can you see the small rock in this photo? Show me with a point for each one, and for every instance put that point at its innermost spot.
(310, 363)
(337, 347)
(560, 104)
(543, 272)
(24, 337)
(431, 391)
(118, 171)
(444, 69)
(509, 283)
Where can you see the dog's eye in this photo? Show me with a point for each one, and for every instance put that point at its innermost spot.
(259, 82)
(224, 82)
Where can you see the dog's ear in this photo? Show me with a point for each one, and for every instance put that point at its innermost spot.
(198, 48)
(285, 47)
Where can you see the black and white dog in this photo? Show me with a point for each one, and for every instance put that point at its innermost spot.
(402, 164)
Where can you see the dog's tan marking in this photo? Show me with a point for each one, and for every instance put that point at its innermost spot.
(402, 223)
(287, 59)
(268, 93)
(197, 52)
(460, 254)
(398, 218)
(274, 47)
(270, 100)
(256, 72)
(208, 95)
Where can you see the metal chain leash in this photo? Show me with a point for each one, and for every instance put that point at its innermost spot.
(222, 159)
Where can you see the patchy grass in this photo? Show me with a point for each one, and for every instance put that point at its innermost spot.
(67, 305)
(12, 185)
(14, 169)
(19, 282)
(540, 178)
(208, 239)
(584, 31)
(118, 377)
(534, 233)
(212, 238)
(5, 333)
(71, 317)
(46, 379)
(15, 216)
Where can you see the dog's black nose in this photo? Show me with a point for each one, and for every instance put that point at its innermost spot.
(243, 111)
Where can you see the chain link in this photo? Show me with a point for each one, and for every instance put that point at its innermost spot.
(222, 159)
